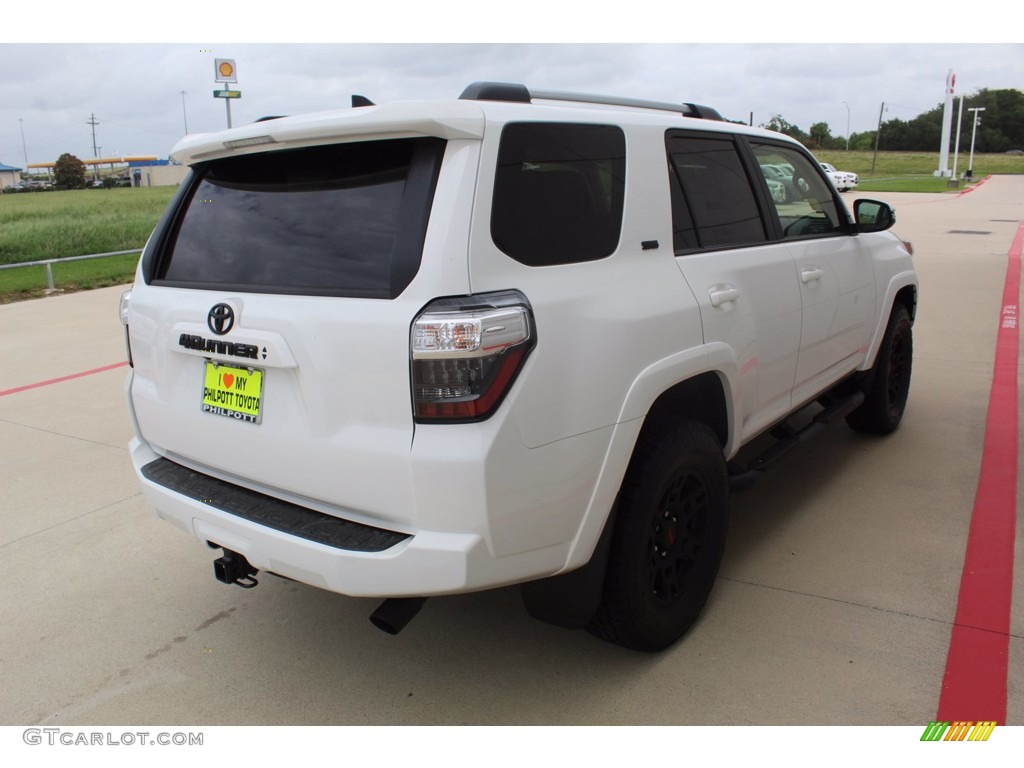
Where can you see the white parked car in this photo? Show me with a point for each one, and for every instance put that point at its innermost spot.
(844, 180)
(520, 337)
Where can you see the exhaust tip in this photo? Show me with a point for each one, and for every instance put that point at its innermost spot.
(394, 613)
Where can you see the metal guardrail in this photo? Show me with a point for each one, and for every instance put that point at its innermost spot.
(49, 262)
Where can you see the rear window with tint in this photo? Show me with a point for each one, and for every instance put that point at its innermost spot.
(340, 220)
(558, 193)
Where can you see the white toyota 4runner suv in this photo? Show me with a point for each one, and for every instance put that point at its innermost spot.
(427, 348)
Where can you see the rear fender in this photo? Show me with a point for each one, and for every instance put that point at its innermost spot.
(715, 360)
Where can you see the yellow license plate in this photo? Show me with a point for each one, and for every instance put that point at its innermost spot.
(233, 392)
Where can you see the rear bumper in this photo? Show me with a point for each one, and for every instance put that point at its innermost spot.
(324, 551)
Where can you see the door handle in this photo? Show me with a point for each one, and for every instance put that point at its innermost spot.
(810, 274)
(722, 294)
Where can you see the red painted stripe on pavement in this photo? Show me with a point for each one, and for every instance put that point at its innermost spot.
(48, 382)
(971, 189)
(974, 686)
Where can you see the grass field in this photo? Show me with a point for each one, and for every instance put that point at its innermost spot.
(914, 171)
(896, 164)
(30, 282)
(50, 225)
(910, 184)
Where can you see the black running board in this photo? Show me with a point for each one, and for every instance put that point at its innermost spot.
(787, 438)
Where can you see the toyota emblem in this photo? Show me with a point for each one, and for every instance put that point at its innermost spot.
(221, 319)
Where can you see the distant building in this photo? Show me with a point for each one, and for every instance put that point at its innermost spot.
(156, 173)
(141, 171)
(9, 175)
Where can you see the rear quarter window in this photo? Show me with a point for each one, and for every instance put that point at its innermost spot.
(343, 219)
(558, 192)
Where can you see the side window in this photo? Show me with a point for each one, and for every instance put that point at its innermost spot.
(713, 202)
(803, 198)
(558, 192)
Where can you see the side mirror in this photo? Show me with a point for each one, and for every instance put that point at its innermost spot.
(873, 215)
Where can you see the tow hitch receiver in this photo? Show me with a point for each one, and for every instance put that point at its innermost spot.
(233, 568)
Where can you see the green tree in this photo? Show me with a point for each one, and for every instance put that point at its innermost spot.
(69, 172)
(862, 141)
(780, 125)
(895, 136)
(1001, 125)
(821, 138)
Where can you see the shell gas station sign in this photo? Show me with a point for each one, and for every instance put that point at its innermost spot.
(225, 71)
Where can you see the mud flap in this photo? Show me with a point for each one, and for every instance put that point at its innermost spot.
(571, 599)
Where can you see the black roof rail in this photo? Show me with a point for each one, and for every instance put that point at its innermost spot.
(270, 117)
(515, 92)
(361, 101)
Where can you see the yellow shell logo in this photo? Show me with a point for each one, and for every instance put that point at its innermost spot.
(225, 69)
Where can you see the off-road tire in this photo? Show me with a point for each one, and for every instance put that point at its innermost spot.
(886, 399)
(669, 537)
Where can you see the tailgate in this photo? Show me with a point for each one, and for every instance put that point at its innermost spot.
(322, 412)
(270, 336)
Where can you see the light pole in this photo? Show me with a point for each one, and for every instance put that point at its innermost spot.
(21, 124)
(847, 126)
(184, 114)
(959, 121)
(95, 152)
(878, 135)
(974, 131)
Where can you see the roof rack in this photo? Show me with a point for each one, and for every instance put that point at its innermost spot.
(515, 92)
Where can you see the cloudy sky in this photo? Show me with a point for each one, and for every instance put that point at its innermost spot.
(129, 71)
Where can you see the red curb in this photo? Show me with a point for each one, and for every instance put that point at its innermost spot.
(975, 684)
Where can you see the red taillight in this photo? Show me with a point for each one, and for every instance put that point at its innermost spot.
(466, 353)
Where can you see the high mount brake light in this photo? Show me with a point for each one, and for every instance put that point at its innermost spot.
(464, 360)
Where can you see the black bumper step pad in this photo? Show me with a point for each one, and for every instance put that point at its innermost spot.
(273, 513)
